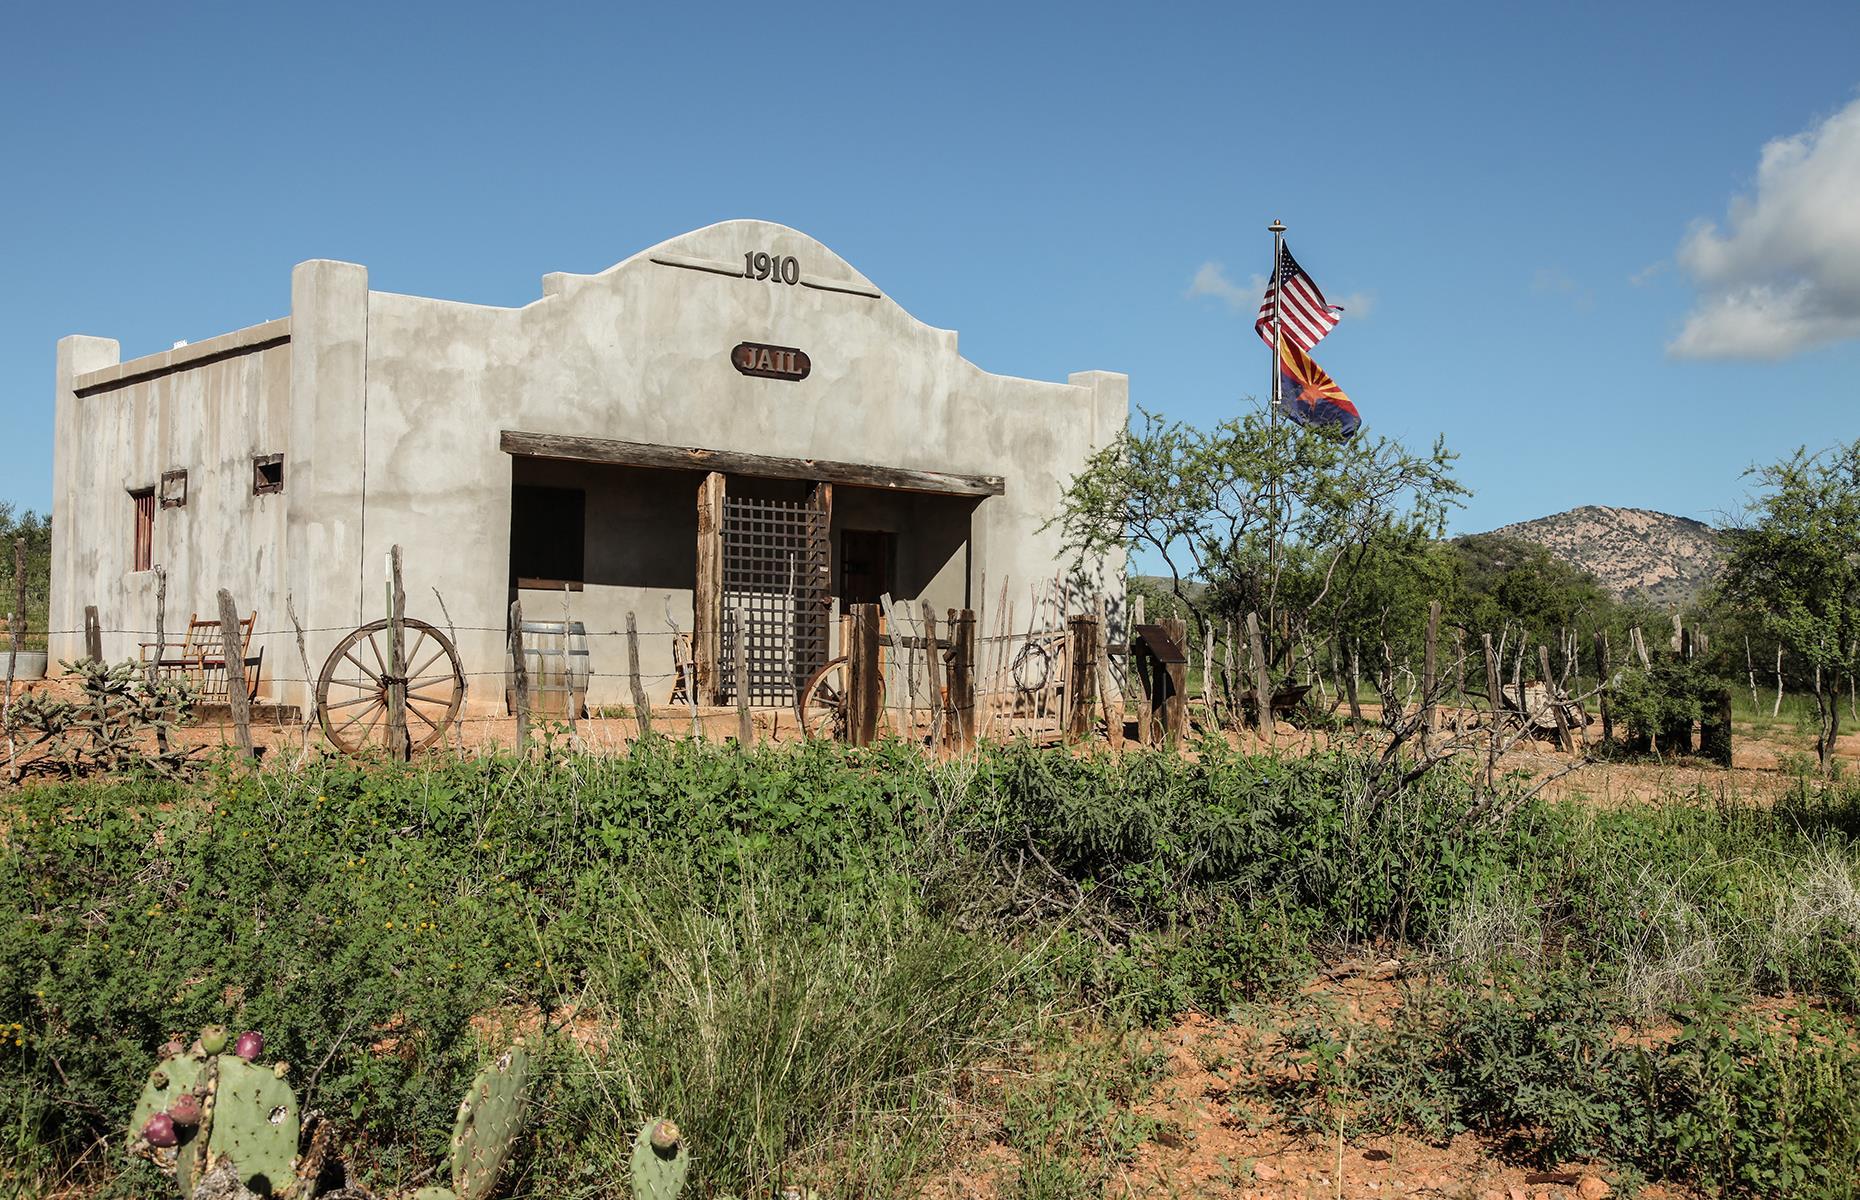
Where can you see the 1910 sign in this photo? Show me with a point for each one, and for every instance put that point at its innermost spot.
(771, 362)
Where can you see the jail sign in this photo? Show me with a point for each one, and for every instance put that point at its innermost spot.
(771, 362)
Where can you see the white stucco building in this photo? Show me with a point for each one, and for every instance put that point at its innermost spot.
(733, 415)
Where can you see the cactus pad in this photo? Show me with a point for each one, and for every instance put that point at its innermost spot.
(254, 1122)
(435, 1193)
(659, 1161)
(489, 1121)
(166, 1083)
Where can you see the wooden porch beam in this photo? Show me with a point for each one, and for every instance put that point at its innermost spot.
(736, 462)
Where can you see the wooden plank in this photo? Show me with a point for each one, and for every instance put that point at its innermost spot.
(398, 746)
(1603, 672)
(735, 462)
(1082, 676)
(707, 597)
(863, 686)
(1113, 720)
(238, 696)
(519, 675)
(642, 704)
(1139, 665)
(16, 628)
(933, 659)
(1428, 674)
(93, 634)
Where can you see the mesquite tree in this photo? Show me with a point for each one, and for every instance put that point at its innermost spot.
(1271, 517)
(1795, 564)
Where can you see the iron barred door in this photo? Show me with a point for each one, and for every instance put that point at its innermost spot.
(775, 574)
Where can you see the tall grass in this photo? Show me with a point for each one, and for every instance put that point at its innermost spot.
(805, 954)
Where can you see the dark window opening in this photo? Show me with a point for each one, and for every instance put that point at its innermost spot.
(143, 556)
(267, 474)
(865, 565)
(547, 525)
(174, 489)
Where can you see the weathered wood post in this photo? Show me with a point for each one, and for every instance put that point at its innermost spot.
(1113, 718)
(962, 676)
(739, 672)
(238, 698)
(1139, 672)
(519, 676)
(153, 675)
(1552, 695)
(933, 659)
(863, 684)
(1082, 683)
(1603, 672)
(642, 705)
(1175, 706)
(1429, 677)
(1493, 695)
(16, 627)
(1262, 678)
(707, 596)
(399, 747)
(93, 635)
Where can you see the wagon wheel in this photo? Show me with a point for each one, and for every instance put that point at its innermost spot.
(1033, 666)
(820, 706)
(352, 692)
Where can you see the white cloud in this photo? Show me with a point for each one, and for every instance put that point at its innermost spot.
(1783, 275)
(1211, 280)
(1649, 273)
(1554, 281)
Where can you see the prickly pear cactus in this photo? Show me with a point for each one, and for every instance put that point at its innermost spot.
(435, 1193)
(172, 1078)
(254, 1122)
(490, 1118)
(659, 1161)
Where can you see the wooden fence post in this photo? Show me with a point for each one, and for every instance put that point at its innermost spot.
(1113, 720)
(962, 675)
(1175, 707)
(1262, 678)
(1563, 739)
(642, 704)
(863, 682)
(1493, 695)
(519, 676)
(1139, 671)
(16, 627)
(1603, 672)
(1083, 676)
(739, 671)
(707, 594)
(399, 748)
(933, 659)
(232, 645)
(1429, 677)
(93, 634)
(154, 672)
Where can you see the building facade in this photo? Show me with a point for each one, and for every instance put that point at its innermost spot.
(734, 421)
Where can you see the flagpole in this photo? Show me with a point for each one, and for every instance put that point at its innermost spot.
(1277, 229)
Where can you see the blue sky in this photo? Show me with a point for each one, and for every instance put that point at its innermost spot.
(1510, 196)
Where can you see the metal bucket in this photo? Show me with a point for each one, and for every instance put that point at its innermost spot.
(557, 662)
(28, 668)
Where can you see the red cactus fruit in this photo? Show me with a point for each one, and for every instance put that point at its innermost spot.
(185, 1110)
(160, 1130)
(250, 1045)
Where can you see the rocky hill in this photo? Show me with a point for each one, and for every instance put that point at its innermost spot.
(1665, 558)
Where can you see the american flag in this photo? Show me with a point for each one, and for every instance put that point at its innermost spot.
(1304, 315)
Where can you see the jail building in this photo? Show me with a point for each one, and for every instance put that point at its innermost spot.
(734, 426)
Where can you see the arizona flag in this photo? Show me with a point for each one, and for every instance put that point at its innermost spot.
(1309, 396)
